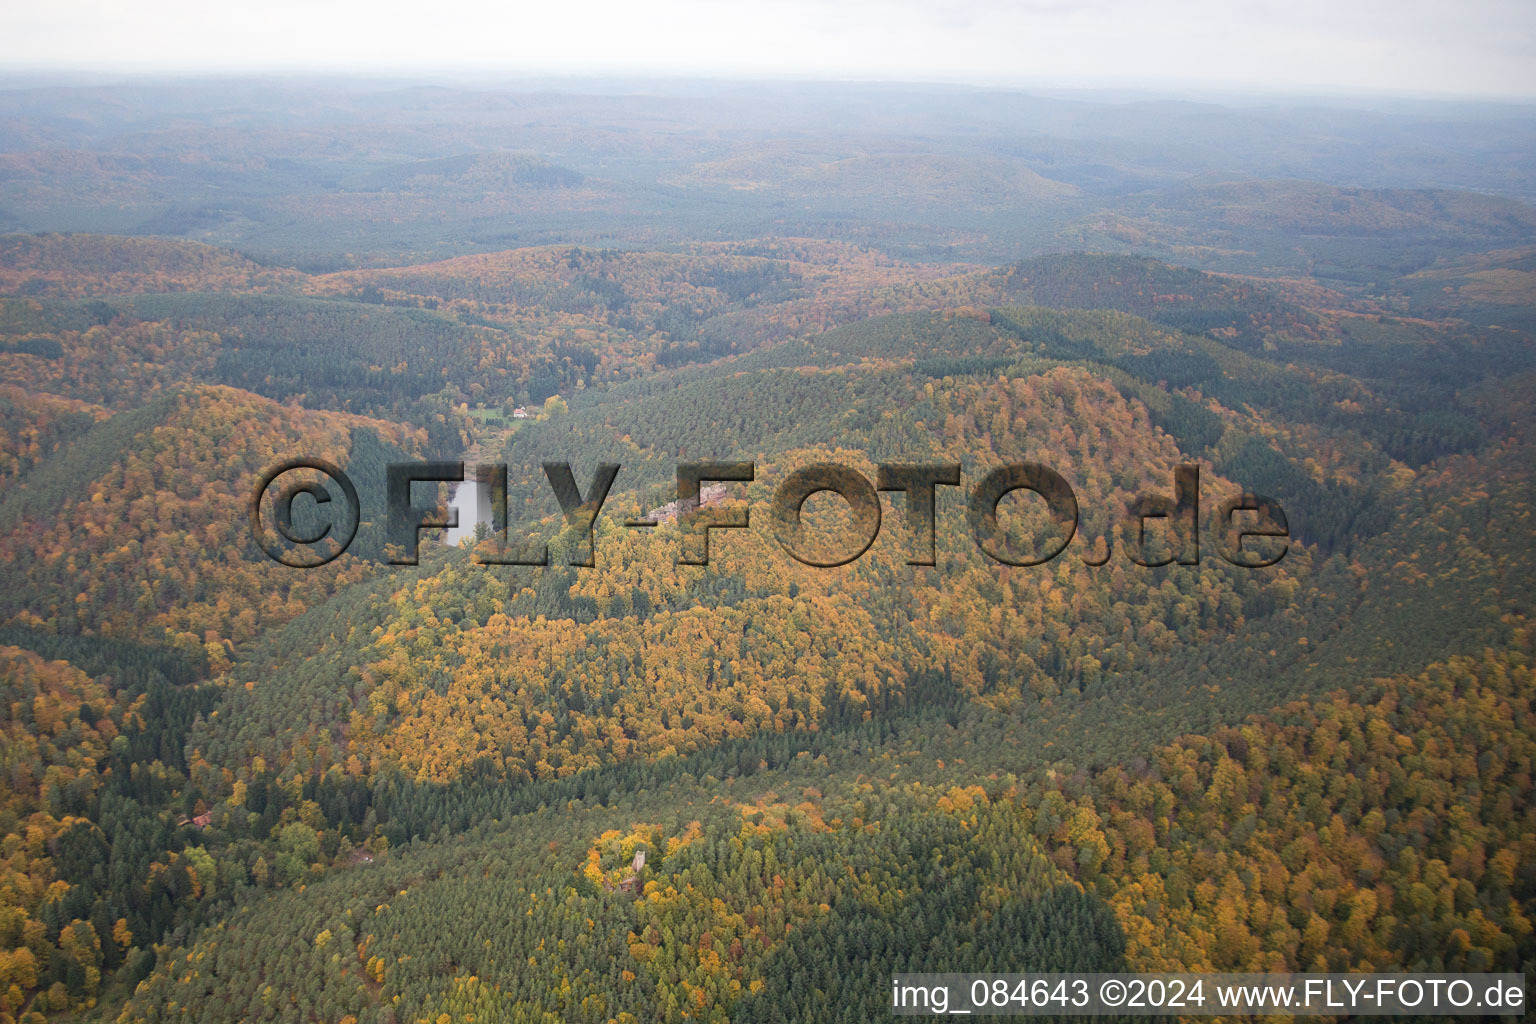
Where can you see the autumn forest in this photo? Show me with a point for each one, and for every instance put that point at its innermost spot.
(383, 793)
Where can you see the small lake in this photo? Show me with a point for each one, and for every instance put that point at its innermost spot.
(473, 503)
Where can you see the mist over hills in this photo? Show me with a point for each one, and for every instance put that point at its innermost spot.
(335, 172)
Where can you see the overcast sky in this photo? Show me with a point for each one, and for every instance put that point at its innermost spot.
(1416, 47)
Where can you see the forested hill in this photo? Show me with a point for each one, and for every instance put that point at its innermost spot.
(237, 790)
(1177, 297)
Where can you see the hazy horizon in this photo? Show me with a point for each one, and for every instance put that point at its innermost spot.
(1483, 50)
(685, 84)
